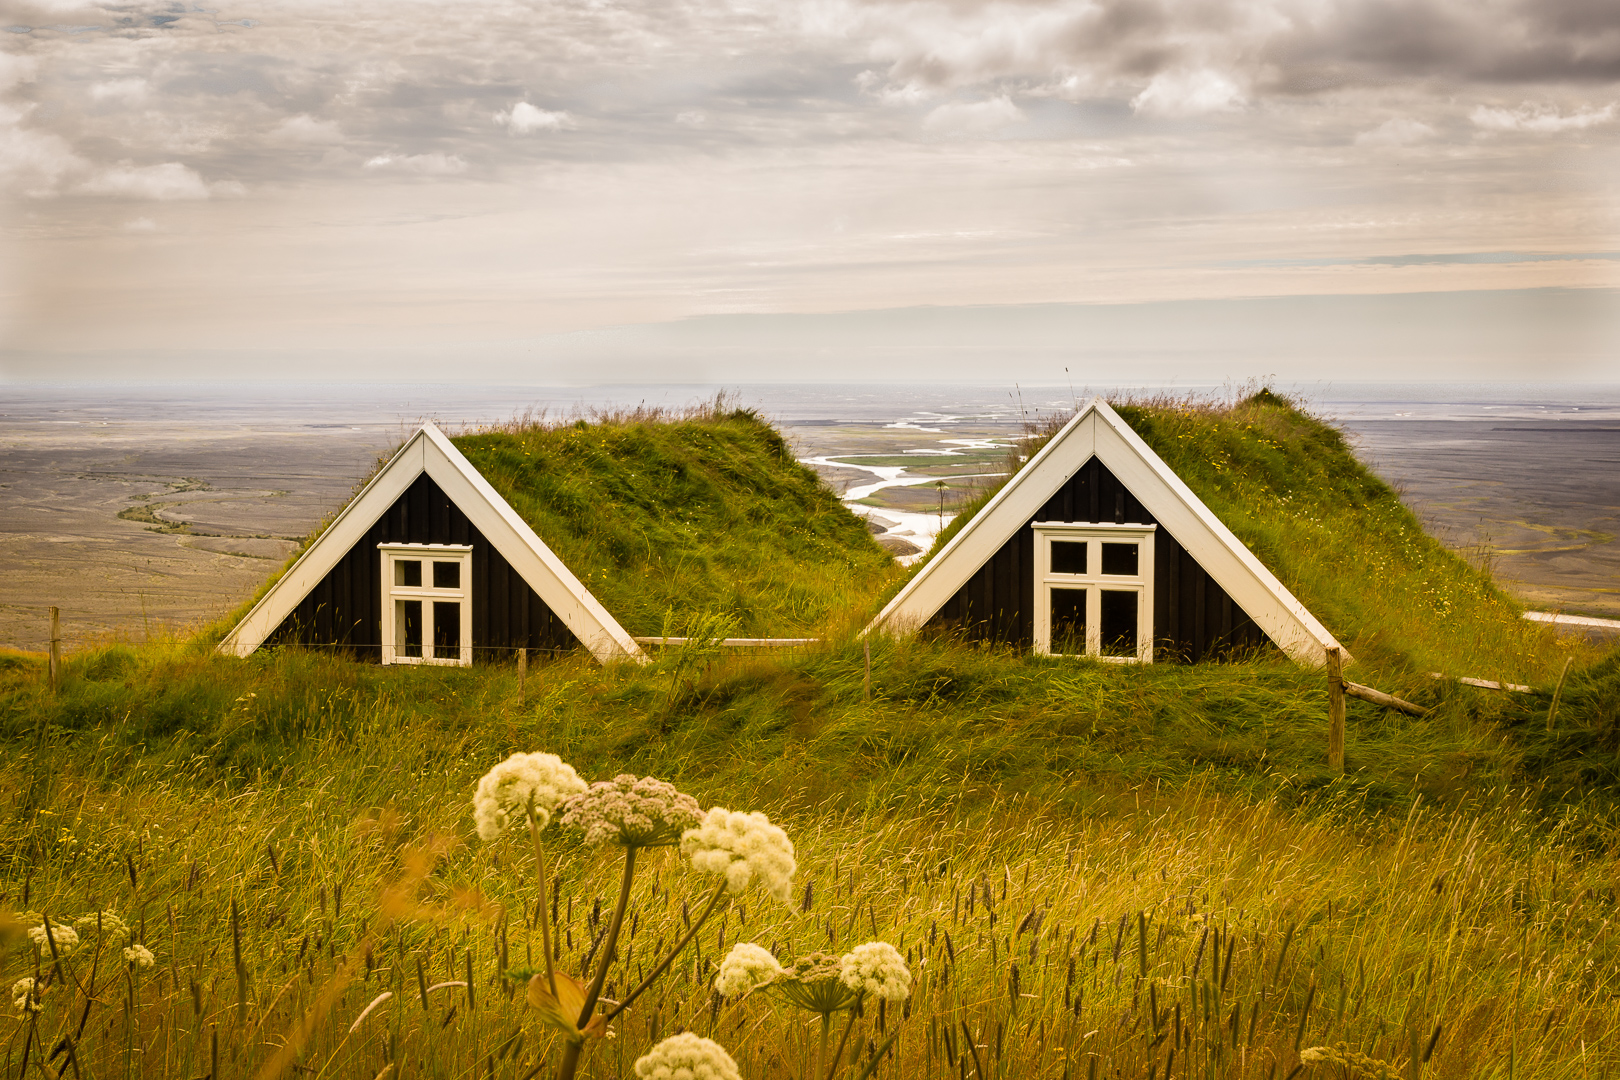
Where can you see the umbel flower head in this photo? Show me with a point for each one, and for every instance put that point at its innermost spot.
(876, 968)
(140, 955)
(632, 811)
(814, 983)
(742, 846)
(746, 968)
(114, 929)
(66, 938)
(687, 1057)
(22, 995)
(507, 791)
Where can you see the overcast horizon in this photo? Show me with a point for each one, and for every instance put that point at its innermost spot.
(872, 190)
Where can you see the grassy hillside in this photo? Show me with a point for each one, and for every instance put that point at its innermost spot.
(1337, 536)
(704, 515)
(1126, 820)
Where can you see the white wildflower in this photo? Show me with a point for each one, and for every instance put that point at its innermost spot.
(746, 968)
(66, 938)
(1311, 1055)
(113, 928)
(506, 791)
(633, 811)
(740, 846)
(876, 968)
(140, 955)
(23, 997)
(687, 1057)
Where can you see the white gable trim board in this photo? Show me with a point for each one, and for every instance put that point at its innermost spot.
(1097, 430)
(430, 452)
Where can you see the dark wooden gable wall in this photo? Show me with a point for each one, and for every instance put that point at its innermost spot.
(344, 610)
(1193, 617)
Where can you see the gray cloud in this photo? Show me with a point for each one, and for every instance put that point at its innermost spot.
(367, 167)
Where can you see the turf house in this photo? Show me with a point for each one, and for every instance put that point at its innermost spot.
(657, 523)
(1097, 548)
(429, 564)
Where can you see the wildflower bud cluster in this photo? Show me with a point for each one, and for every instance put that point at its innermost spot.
(113, 928)
(632, 811)
(687, 1057)
(140, 955)
(813, 983)
(876, 968)
(742, 846)
(746, 968)
(66, 938)
(507, 791)
(22, 995)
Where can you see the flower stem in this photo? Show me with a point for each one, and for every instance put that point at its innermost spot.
(714, 902)
(575, 1048)
(844, 1041)
(610, 947)
(545, 923)
(821, 1054)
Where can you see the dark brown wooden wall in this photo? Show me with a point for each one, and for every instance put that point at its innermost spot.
(344, 610)
(1193, 617)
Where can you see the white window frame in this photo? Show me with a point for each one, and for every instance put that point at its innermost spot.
(1095, 534)
(427, 554)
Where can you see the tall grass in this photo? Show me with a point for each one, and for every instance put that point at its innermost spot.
(1164, 931)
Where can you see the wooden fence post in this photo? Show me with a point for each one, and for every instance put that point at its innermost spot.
(523, 675)
(866, 687)
(1335, 674)
(56, 649)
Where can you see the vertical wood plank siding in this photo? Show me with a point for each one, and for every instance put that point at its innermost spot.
(344, 610)
(1193, 617)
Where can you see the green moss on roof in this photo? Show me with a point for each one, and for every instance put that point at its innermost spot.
(672, 521)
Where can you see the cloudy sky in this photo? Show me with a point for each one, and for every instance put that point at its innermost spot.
(591, 190)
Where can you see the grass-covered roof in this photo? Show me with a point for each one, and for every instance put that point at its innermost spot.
(1289, 485)
(677, 520)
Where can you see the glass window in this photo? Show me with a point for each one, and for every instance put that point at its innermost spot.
(1119, 559)
(446, 629)
(1069, 621)
(1069, 556)
(1094, 590)
(426, 609)
(408, 625)
(1119, 622)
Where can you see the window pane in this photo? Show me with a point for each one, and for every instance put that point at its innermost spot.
(1068, 622)
(408, 572)
(446, 630)
(408, 625)
(1068, 556)
(447, 575)
(1119, 559)
(1119, 622)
